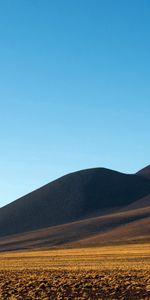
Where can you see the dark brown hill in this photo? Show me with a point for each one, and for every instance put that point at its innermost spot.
(70, 198)
(144, 172)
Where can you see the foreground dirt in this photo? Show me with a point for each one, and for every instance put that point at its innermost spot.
(93, 273)
(74, 285)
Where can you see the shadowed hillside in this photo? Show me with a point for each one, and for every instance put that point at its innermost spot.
(72, 197)
(124, 226)
(76, 207)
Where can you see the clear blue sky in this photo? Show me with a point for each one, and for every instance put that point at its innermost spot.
(74, 89)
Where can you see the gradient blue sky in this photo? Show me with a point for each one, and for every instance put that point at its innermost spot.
(74, 89)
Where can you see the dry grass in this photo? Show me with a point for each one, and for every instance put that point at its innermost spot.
(116, 272)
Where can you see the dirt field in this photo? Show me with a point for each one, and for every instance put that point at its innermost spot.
(117, 272)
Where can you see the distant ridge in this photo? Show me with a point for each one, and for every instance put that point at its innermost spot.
(76, 207)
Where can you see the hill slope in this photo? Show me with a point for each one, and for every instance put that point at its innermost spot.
(78, 198)
(124, 226)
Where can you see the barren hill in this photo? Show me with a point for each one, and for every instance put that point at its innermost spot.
(92, 206)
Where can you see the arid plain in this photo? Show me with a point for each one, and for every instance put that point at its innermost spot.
(113, 272)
